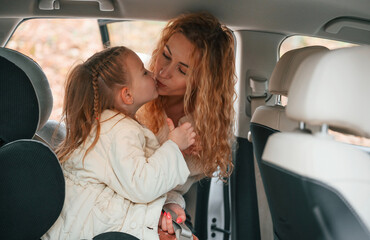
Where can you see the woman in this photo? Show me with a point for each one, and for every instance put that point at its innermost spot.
(194, 67)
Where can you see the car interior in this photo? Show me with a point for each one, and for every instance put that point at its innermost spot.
(302, 129)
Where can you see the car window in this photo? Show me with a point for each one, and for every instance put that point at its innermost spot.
(140, 36)
(58, 44)
(295, 42)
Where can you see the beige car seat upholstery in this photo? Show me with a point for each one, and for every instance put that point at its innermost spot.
(320, 188)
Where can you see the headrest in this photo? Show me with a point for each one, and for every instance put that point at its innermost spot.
(25, 97)
(287, 66)
(333, 88)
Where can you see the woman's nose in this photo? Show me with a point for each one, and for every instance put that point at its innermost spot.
(165, 71)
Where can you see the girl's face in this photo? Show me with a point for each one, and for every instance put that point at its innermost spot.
(172, 66)
(143, 85)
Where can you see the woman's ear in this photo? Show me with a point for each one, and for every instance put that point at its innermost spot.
(126, 96)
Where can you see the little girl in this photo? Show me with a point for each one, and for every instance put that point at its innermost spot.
(117, 175)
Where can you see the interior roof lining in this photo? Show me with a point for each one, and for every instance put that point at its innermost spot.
(287, 17)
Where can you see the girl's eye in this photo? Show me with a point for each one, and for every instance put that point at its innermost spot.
(166, 57)
(145, 72)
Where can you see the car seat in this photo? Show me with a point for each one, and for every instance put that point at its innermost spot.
(267, 120)
(320, 188)
(31, 180)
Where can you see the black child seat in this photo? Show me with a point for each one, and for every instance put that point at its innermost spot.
(320, 188)
(32, 186)
(267, 120)
(31, 180)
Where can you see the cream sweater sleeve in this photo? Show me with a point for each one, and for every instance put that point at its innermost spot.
(176, 195)
(142, 178)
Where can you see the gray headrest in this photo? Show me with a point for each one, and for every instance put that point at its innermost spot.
(25, 97)
(333, 88)
(287, 66)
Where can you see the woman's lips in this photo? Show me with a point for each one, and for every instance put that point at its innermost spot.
(159, 84)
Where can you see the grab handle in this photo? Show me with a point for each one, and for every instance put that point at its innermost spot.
(104, 5)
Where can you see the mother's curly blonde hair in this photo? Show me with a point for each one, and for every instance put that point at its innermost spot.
(209, 95)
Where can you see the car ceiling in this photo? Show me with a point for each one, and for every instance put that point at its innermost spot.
(307, 17)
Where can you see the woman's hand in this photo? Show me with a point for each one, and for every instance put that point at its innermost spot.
(165, 222)
(165, 236)
(166, 230)
(183, 136)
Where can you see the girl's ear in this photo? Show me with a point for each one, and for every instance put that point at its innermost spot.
(126, 96)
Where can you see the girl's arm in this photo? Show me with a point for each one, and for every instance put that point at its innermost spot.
(141, 178)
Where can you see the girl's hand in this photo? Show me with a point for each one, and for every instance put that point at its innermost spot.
(183, 136)
(194, 149)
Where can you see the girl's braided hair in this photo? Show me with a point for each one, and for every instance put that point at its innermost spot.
(90, 89)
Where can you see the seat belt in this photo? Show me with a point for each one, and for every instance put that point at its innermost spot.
(258, 98)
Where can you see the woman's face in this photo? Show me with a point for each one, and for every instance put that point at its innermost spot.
(172, 66)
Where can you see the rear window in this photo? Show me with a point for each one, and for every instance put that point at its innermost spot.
(58, 44)
(140, 36)
(295, 42)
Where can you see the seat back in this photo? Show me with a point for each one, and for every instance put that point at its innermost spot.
(320, 188)
(32, 184)
(26, 99)
(267, 120)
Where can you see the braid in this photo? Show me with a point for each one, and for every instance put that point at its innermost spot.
(95, 85)
(102, 66)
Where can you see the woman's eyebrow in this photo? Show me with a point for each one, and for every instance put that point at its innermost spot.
(168, 48)
(184, 64)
